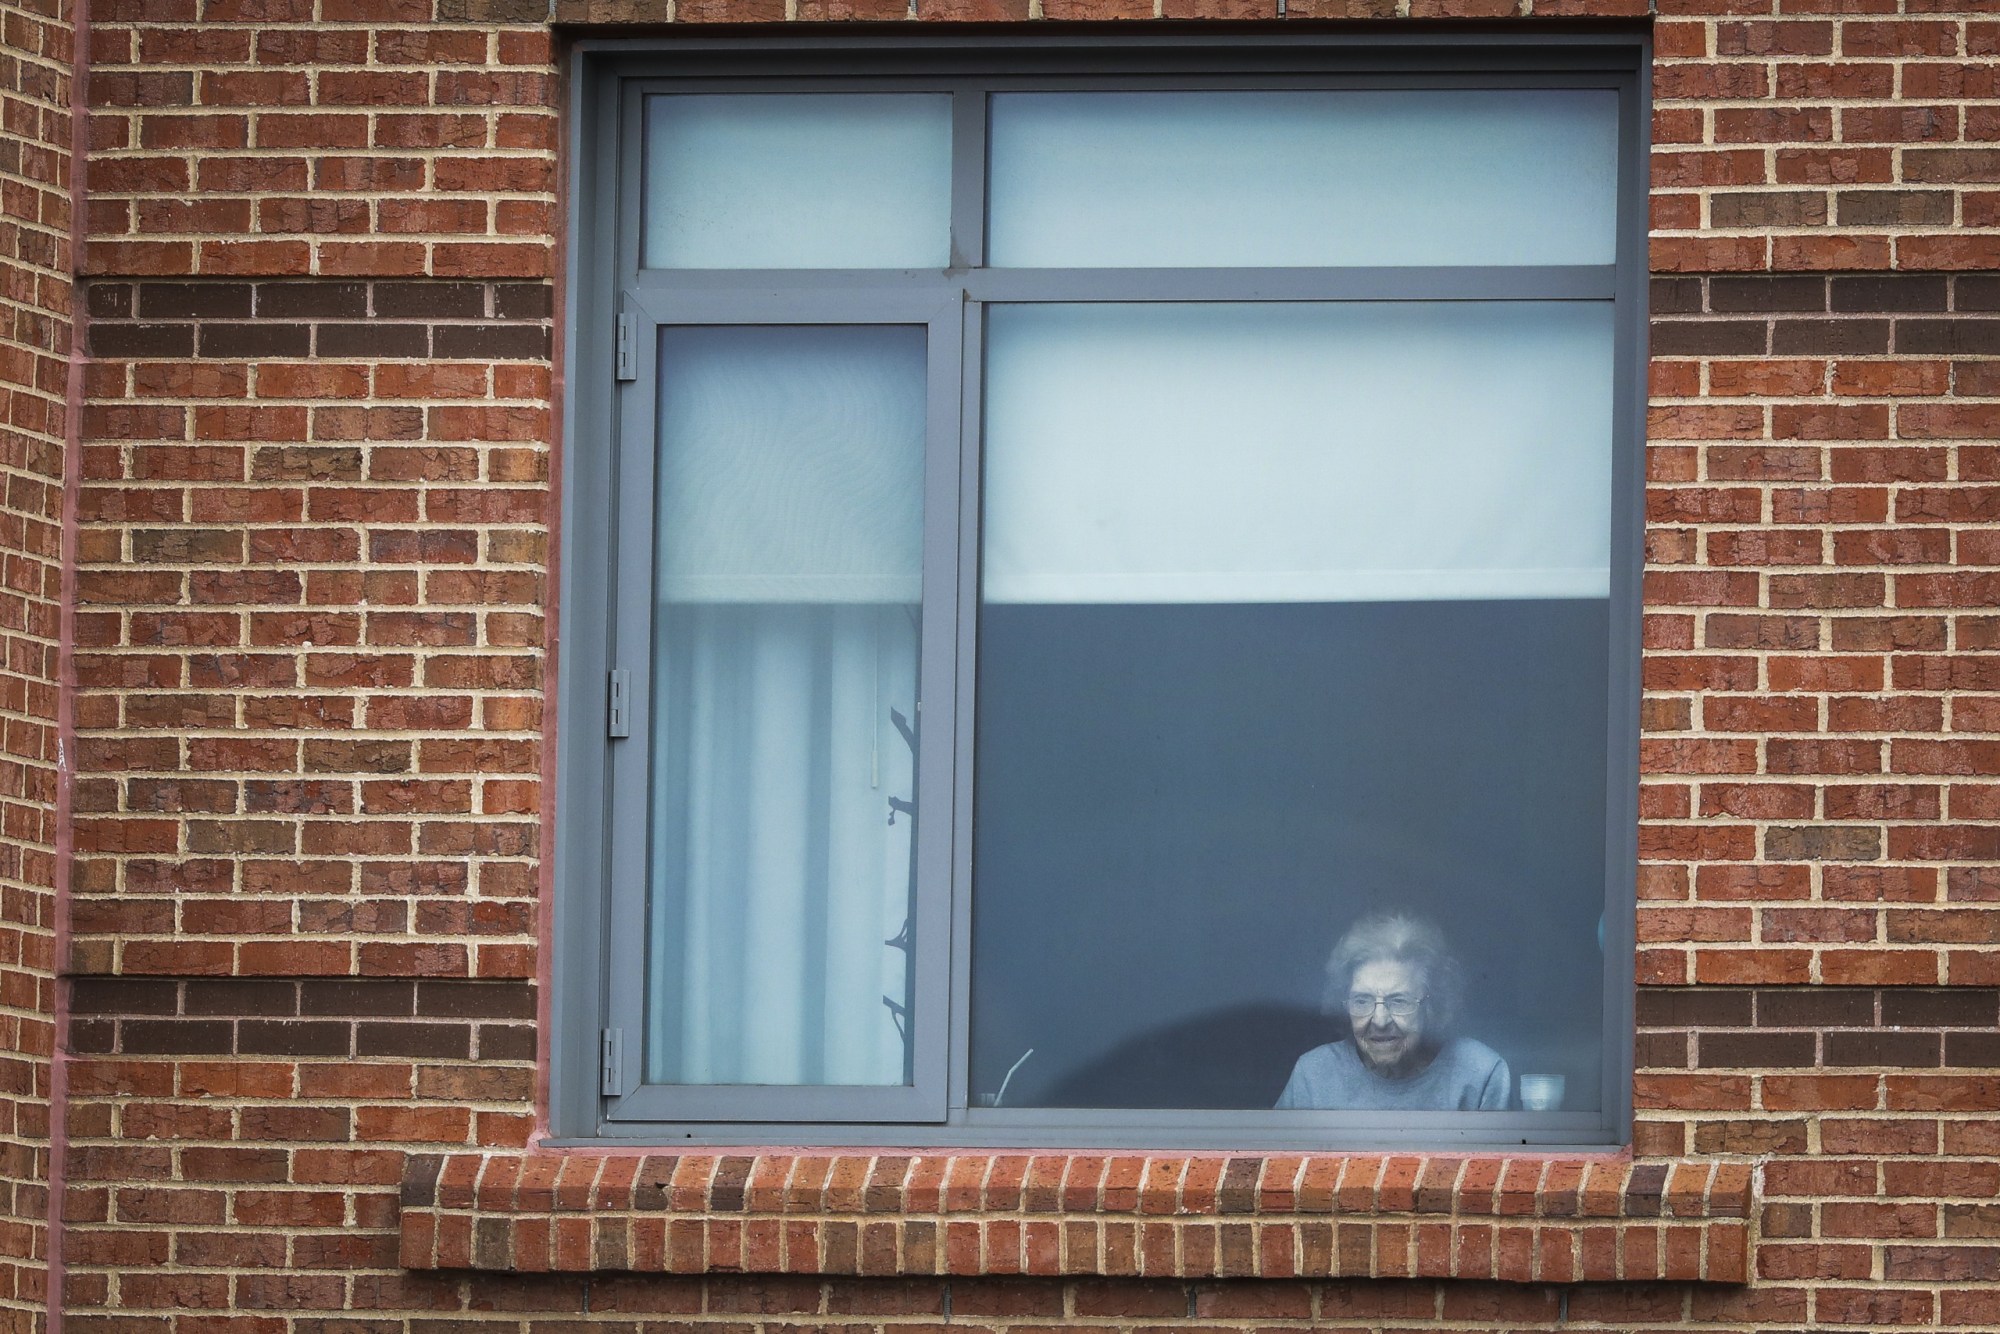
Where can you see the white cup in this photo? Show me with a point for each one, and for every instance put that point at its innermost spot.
(1541, 1093)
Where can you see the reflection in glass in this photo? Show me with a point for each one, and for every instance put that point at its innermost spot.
(797, 181)
(1179, 810)
(787, 570)
(1291, 615)
(1300, 177)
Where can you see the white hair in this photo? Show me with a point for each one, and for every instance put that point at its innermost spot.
(1398, 938)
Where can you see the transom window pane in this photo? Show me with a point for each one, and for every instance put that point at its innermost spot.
(1303, 178)
(798, 181)
(789, 467)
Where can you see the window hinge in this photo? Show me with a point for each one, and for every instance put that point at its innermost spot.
(618, 710)
(628, 365)
(611, 1073)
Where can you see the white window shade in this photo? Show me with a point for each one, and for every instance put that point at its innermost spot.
(790, 464)
(1297, 452)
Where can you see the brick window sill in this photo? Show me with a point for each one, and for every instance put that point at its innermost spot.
(1528, 1219)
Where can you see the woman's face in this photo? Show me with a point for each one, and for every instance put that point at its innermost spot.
(1385, 1002)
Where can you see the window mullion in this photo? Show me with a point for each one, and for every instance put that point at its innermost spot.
(1556, 282)
(966, 629)
(940, 728)
(968, 179)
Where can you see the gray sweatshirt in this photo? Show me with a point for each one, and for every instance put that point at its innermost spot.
(1465, 1075)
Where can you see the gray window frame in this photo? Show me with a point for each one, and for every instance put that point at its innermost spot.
(604, 474)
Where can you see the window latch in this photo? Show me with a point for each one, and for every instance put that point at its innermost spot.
(611, 1069)
(618, 707)
(628, 364)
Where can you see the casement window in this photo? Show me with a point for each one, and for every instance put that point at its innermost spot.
(1058, 533)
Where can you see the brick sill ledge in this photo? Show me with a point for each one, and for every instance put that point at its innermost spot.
(1525, 1219)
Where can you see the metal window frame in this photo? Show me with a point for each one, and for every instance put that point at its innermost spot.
(601, 817)
(628, 1098)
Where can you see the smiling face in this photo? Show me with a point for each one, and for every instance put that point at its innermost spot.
(1385, 1002)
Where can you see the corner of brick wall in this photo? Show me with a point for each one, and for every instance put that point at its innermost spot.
(37, 79)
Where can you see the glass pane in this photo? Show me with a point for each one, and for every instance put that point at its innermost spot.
(787, 564)
(1458, 177)
(798, 181)
(1294, 616)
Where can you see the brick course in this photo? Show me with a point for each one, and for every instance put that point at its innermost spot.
(345, 137)
(1544, 1218)
(313, 567)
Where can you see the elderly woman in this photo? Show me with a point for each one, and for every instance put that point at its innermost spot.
(1400, 988)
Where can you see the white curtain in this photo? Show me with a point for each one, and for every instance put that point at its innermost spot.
(778, 877)
(787, 562)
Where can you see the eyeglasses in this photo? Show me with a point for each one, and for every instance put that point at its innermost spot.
(1361, 1005)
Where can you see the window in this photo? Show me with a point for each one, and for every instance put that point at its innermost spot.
(1100, 593)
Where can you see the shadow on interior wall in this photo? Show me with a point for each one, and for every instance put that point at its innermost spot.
(1238, 1057)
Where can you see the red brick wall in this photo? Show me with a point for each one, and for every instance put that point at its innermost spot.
(314, 572)
(309, 645)
(36, 127)
(350, 137)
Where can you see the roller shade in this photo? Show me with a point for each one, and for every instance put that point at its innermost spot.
(1297, 452)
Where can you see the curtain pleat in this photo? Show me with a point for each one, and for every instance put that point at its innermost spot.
(777, 879)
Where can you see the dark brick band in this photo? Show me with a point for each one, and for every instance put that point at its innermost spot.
(1908, 314)
(316, 1017)
(296, 318)
(1679, 1028)
(1849, 1070)
(1926, 314)
(1707, 1028)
